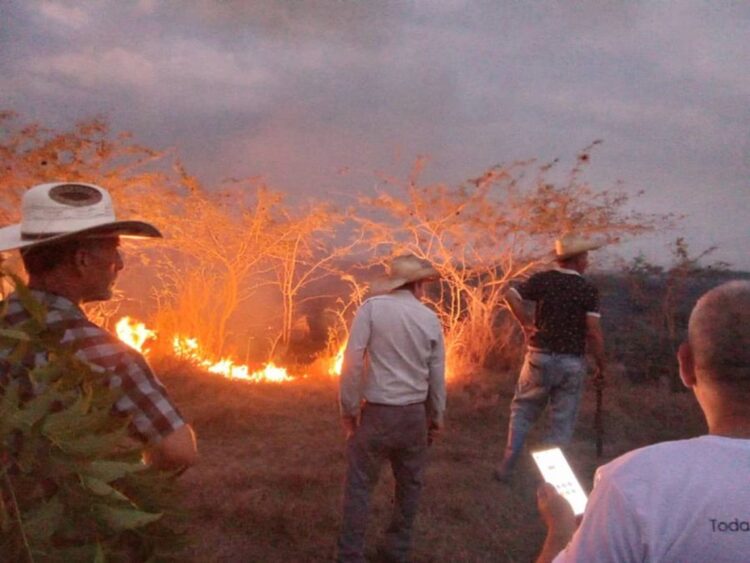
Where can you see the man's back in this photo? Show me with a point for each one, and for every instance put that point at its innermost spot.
(403, 335)
(404, 345)
(677, 501)
(563, 299)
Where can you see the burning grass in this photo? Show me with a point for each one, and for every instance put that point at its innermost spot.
(138, 335)
(269, 482)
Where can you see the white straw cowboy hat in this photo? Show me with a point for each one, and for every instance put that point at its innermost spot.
(570, 244)
(402, 270)
(50, 212)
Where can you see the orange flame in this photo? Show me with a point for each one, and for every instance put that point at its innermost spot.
(337, 361)
(190, 349)
(135, 334)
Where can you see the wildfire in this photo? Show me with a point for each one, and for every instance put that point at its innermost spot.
(337, 361)
(135, 334)
(189, 348)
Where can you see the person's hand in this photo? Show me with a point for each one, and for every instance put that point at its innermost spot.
(434, 428)
(556, 512)
(349, 424)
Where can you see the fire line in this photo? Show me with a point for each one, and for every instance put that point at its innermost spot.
(137, 334)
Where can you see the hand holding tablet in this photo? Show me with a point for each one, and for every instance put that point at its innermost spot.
(557, 472)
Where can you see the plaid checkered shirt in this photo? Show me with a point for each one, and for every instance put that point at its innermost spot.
(144, 398)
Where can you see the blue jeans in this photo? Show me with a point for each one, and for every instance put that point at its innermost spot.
(546, 378)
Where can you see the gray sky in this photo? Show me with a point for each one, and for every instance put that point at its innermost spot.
(298, 90)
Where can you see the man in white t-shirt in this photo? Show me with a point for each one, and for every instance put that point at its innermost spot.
(687, 500)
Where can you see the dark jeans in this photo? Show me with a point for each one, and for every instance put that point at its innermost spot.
(398, 434)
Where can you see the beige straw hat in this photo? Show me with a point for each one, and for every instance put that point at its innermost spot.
(402, 270)
(51, 212)
(570, 244)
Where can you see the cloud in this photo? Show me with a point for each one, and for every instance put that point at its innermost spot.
(198, 63)
(69, 16)
(351, 21)
(146, 6)
(707, 43)
(112, 68)
(184, 75)
(293, 90)
(624, 109)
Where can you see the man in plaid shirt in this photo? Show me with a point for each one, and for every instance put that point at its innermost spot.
(69, 241)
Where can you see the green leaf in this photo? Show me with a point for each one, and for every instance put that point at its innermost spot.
(34, 410)
(93, 445)
(27, 457)
(41, 522)
(99, 556)
(102, 489)
(36, 309)
(19, 352)
(70, 422)
(88, 392)
(126, 518)
(14, 334)
(9, 403)
(45, 374)
(109, 471)
(65, 438)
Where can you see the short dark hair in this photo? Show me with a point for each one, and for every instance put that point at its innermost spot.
(43, 258)
(719, 333)
(569, 260)
(408, 285)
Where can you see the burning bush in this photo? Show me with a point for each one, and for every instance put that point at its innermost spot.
(241, 265)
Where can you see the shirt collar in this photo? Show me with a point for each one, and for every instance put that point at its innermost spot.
(53, 301)
(403, 293)
(567, 271)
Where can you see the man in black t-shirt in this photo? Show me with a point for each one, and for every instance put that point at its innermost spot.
(565, 320)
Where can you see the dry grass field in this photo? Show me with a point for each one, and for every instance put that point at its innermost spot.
(268, 485)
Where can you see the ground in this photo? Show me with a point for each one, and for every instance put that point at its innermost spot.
(268, 486)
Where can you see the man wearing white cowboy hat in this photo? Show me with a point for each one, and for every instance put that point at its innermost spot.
(564, 323)
(392, 400)
(68, 238)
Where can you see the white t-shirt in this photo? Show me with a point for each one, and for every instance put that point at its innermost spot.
(681, 501)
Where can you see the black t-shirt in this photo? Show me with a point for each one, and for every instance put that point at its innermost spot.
(562, 302)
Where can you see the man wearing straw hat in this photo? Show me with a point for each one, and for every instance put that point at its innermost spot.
(564, 323)
(68, 239)
(392, 400)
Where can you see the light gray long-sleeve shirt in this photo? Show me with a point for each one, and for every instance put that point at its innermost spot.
(395, 356)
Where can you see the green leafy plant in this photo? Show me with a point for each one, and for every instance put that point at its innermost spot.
(72, 485)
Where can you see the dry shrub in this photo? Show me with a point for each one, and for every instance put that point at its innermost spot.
(486, 233)
(233, 246)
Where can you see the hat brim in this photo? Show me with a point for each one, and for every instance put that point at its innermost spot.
(579, 249)
(11, 237)
(387, 284)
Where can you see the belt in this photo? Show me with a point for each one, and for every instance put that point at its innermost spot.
(389, 405)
